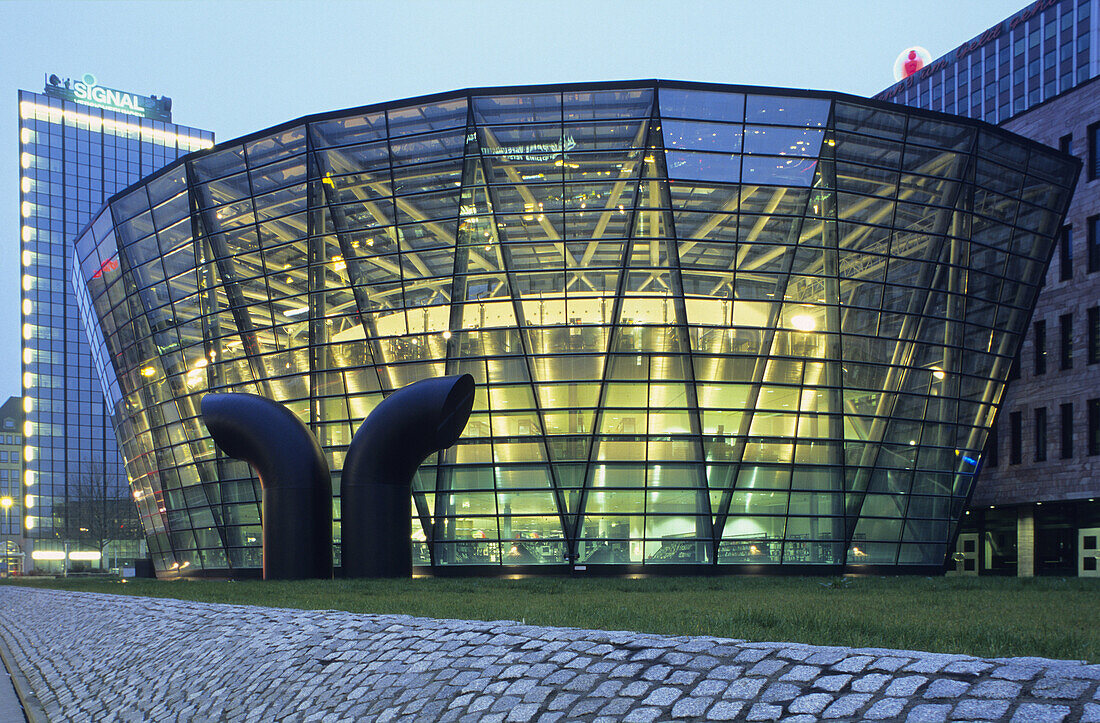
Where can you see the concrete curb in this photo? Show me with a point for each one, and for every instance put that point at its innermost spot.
(32, 707)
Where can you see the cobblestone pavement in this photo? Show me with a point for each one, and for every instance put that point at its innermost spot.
(95, 657)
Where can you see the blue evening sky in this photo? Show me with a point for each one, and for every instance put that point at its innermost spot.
(238, 66)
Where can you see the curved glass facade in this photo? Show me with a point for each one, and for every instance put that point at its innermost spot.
(712, 326)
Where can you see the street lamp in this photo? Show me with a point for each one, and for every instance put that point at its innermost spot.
(6, 502)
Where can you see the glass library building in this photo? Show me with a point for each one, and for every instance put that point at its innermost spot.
(713, 328)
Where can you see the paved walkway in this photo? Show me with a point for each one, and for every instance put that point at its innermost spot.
(94, 657)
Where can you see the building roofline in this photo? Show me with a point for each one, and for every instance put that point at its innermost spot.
(654, 83)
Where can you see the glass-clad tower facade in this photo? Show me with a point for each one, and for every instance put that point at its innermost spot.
(711, 326)
(72, 157)
(1042, 51)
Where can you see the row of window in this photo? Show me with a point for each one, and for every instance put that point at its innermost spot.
(1065, 343)
(1026, 66)
(1065, 249)
(1041, 428)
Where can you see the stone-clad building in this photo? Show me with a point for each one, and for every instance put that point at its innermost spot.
(1034, 509)
(1042, 476)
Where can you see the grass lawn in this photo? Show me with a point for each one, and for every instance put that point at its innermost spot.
(1048, 617)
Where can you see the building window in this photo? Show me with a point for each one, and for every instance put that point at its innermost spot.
(1094, 151)
(1094, 334)
(1065, 143)
(1094, 427)
(1014, 446)
(1065, 350)
(1066, 429)
(1014, 369)
(1039, 343)
(1065, 258)
(1041, 434)
(1094, 243)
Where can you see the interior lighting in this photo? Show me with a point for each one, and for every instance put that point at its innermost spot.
(447, 335)
(6, 502)
(937, 373)
(84, 555)
(28, 478)
(28, 501)
(27, 306)
(803, 322)
(28, 523)
(26, 184)
(26, 160)
(28, 233)
(47, 554)
(26, 209)
(25, 135)
(148, 371)
(28, 380)
(26, 258)
(28, 331)
(27, 282)
(28, 402)
(28, 428)
(28, 454)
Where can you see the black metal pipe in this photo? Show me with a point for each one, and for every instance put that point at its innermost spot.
(297, 486)
(376, 485)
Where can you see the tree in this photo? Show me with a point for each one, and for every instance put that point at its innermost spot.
(96, 512)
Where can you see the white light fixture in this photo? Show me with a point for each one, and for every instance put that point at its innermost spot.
(803, 322)
(47, 554)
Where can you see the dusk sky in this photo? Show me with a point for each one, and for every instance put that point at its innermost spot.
(235, 67)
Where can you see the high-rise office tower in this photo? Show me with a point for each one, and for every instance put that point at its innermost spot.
(79, 143)
(1040, 52)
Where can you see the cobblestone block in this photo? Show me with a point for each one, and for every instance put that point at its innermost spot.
(802, 673)
(745, 688)
(846, 706)
(691, 707)
(906, 686)
(1040, 713)
(975, 709)
(885, 709)
(996, 689)
(725, 710)
(832, 683)
(870, 683)
(946, 688)
(810, 703)
(1061, 688)
(764, 711)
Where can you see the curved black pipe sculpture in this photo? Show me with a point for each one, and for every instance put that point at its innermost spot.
(297, 486)
(376, 485)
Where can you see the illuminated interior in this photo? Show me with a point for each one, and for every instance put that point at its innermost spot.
(709, 325)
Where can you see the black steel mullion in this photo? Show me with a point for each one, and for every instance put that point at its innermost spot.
(923, 298)
(609, 358)
(765, 355)
(672, 249)
(233, 291)
(521, 327)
